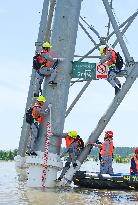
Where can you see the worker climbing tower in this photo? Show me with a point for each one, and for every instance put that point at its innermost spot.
(43, 168)
(64, 33)
(20, 159)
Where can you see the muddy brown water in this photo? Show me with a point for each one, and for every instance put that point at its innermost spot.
(13, 190)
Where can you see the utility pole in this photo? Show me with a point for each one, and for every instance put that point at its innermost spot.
(63, 43)
(26, 128)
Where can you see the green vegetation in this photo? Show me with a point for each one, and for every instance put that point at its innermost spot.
(121, 154)
(8, 155)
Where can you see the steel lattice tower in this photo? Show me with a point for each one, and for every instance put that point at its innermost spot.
(63, 38)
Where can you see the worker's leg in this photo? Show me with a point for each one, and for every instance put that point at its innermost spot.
(73, 157)
(49, 72)
(117, 82)
(53, 75)
(34, 133)
(65, 168)
(38, 83)
(103, 167)
(45, 71)
(110, 168)
(112, 80)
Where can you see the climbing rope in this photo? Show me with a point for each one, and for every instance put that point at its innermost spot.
(45, 157)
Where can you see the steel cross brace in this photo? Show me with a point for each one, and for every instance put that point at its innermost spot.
(88, 83)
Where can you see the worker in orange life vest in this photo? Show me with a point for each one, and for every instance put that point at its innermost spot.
(106, 153)
(134, 163)
(45, 70)
(39, 111)
(74, 146)
(108, 57)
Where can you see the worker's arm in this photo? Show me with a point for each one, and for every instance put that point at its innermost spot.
(46, 56)
(82, 143)
(43, 111)
(106, 57)
(97, 145)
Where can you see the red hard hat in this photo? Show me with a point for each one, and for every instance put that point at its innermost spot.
(109, 133)
(136, 151)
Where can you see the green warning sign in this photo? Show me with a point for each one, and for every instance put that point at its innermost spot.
(84, 70)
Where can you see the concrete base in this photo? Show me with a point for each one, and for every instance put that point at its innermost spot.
(20, 162)
(36, 169)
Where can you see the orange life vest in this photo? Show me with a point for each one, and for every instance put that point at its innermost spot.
(136, 162)
(113, 60)
(36, 116)
(69, 141)
(40, 60)
(103, 148)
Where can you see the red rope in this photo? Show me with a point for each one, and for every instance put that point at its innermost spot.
(45, 158)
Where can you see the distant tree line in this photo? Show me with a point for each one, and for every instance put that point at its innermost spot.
(121, 154)
(8, 155)
(121, 151)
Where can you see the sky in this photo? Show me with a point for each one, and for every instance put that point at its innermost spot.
(19, 21)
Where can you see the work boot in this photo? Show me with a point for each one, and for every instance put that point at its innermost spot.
(59, 179)
(75, 165)
(36, 95)
(119, 85)
(28, 153)
(116, 90)
(33, 153)
(52, 83)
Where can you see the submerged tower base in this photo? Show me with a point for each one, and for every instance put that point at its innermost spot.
(36, 170)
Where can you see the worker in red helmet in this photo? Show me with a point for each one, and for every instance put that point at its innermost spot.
(134, 163)
(106, 153)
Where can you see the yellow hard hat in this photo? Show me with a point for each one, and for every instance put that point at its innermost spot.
(46, 45)
(72, 134)
(102, 50)
(41, 98)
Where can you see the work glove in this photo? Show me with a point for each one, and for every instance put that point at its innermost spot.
(46, 111)
(55, 59)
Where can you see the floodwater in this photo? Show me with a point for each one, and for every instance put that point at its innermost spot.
(13, 190)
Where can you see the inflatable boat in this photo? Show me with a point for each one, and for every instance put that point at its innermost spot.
(105, 181)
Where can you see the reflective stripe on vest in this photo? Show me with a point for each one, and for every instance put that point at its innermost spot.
(136, 162)
(103, 148)
(37, 117)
